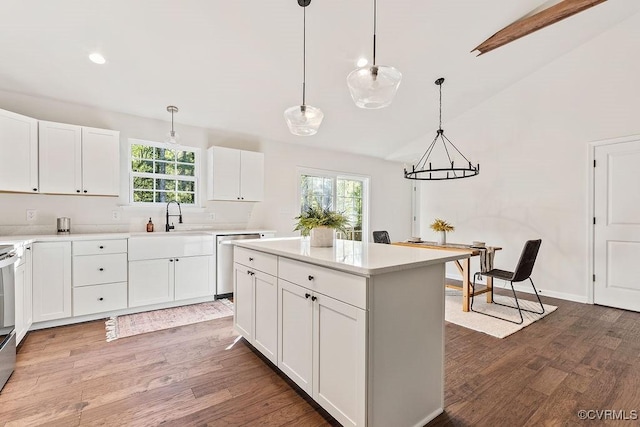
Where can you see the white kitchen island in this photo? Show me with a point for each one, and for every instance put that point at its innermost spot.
(359, 326)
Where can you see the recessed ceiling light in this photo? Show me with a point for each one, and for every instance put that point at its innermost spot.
(362, 62)
(97, 58)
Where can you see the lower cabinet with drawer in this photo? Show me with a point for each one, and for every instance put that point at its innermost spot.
(317, 319)
(99, 276)
(322, 340)
(256, 300)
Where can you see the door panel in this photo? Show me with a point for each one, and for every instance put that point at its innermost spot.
(150, 282)
(192, 277)
(339, 360)
(295, 322)
(617, 229)
(243, 301)
(266, 315)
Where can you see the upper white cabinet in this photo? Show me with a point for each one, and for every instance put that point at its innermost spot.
(19, 137)
(235, 175)
(78, 160)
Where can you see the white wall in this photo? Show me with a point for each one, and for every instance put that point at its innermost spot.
(276, 212)
(532, 143)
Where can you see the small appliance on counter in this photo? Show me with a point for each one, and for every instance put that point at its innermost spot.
(64, 225)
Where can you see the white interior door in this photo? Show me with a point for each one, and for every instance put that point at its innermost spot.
(617, 225)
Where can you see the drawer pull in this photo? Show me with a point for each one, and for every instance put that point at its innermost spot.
(307, 296)
(101, 247)
(101, 269)
(100, 299)
(250, 272)
(250, 259)
(310, 278)
(314, 298)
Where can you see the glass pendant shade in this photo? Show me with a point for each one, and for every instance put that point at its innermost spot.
(303, 120)
(172, 138)
(374, 87)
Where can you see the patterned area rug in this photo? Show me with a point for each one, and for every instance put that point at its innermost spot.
(140, 323)
(489, 325)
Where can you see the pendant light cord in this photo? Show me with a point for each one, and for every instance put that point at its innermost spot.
(304, 53)
(440, 125)
(375, 16)
(172, 131)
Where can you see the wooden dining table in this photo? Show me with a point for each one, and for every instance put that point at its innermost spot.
(464, 267)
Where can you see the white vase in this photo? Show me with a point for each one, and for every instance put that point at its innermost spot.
(322, 237)
(442, 238)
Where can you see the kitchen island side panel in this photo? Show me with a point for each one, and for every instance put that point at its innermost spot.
(406, 347)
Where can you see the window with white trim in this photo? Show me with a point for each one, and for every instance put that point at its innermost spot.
(344, 193)
(160, 174)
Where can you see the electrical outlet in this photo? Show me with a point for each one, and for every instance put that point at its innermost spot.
(212, 216)
(115, 215)
(32, 214)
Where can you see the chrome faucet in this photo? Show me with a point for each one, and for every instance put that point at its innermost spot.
(168, 227)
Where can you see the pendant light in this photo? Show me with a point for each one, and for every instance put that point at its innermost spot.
(374, 86)
(172, 136)
(303, 120)
(421, 172)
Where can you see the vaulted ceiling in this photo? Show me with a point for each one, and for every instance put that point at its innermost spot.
(236, 65)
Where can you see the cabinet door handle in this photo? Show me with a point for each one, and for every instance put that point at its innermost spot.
(85, 191)
(100, 299)
(101, 269)
(314, 298)
(35, 189)
(310, 277)
(77, 191)
(177, 259)
(307, 296)
(28, 248)
(250, 259)
(170, 260)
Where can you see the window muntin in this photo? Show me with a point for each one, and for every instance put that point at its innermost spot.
(160, 174)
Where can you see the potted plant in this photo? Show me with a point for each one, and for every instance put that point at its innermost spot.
(321, 225)
(442, 226)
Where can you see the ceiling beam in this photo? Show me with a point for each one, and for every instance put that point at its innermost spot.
(532, 23)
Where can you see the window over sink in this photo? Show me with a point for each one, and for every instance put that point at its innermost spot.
(161, 173)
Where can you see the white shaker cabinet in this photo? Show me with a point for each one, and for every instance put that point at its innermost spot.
(235, 174)
(323, 350)
(100, 161)
(256, 300)
(151, 282)
(51, 281)
(24, 293)
(99, 276)
(169, 279)
(19, 137)
(192, 277)
(78, 160)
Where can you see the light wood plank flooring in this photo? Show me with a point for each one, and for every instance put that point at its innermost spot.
(579, 357)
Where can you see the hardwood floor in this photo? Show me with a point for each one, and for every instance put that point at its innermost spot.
(579, 357)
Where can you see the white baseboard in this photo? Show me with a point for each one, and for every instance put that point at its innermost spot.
(526, 288)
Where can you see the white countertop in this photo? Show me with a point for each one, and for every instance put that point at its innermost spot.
(22, 239)
(365, 259)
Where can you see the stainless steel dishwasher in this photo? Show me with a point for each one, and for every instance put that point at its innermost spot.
(224, 261)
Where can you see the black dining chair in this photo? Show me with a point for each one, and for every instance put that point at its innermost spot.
(381, 237)
(522, 272)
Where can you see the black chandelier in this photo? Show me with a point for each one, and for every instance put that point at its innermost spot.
(423, 170)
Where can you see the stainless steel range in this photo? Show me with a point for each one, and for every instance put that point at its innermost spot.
(8, 258)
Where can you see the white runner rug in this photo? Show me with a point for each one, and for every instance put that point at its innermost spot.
(489, 325)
